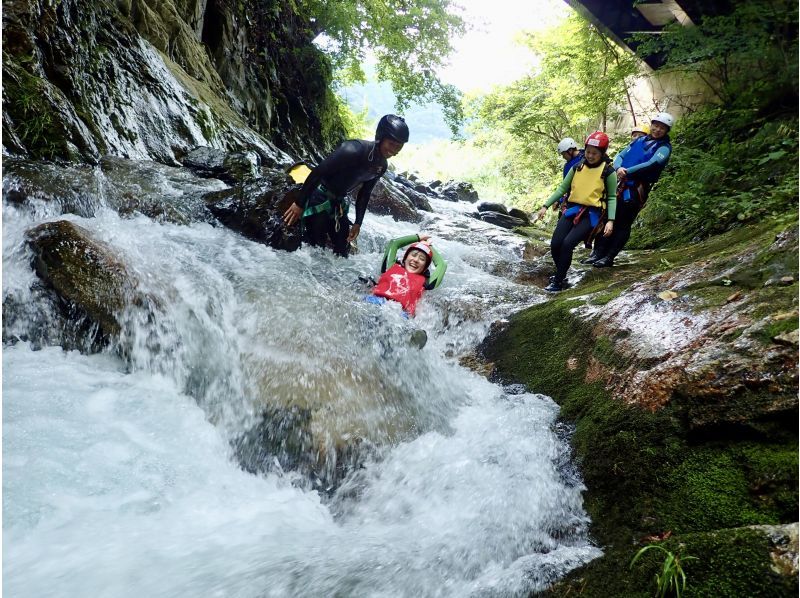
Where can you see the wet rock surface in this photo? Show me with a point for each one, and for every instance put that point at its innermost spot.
(502, 220)
(388, 199)
(255, 209)
(86, 274)
(678, 369)
(459, 191)
(130, 187)
(85, 79)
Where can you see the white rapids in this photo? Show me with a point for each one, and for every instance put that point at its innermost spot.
(119, 479)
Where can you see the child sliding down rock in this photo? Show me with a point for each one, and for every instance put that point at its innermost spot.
(405, 281)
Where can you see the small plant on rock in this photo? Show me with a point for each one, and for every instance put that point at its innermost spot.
(671, 580)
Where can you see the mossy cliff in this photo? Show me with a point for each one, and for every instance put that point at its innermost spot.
(153, 79)
(678, 371)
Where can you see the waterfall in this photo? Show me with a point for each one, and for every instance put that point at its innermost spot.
(124, 470)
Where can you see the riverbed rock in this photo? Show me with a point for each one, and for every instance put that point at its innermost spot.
(491, 206)
(502, 220)
(255, 209)
(459, 191)
(325, 420)
(388, 199)
(520, 214)
(85, 273)
(230, 167)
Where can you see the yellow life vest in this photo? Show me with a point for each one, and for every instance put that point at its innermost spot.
(588, 186)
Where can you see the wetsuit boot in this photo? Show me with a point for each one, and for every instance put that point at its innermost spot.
(604, 262)
(556, 286)
(593, 257)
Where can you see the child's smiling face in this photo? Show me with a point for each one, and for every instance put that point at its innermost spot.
(416, 261)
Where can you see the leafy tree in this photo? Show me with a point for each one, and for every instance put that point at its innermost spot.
(409, 39)
(746, 58)
(581, 78)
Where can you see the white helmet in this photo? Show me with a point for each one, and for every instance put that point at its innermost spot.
(664, 118)
(566, 144)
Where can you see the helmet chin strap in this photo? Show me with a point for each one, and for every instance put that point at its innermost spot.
(372, 151)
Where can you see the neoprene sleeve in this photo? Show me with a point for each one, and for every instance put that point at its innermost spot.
(439, 268)
(439, 265)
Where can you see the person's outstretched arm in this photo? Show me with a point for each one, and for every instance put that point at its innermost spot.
(660, 157)
(390, 255)
(439, 268)
(562, 188)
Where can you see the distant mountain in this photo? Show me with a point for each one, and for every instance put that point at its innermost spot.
(426, 123)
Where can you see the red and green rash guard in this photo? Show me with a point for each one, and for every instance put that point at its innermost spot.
(402, 286)
(398, 284)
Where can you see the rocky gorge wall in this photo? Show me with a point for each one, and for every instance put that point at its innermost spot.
(678, 371)
(153, 79)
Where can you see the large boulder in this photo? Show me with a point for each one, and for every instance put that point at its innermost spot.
(490, 206)
(459, 191)
(502, 220)
(388, 199)
(86, 274)
(255, 209)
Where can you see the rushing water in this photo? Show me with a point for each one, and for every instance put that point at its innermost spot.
(119, 476)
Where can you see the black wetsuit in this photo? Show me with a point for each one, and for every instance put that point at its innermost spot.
(352, 164)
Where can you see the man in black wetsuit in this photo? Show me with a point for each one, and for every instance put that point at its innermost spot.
(322, 201)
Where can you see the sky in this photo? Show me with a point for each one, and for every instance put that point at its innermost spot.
(487, 55)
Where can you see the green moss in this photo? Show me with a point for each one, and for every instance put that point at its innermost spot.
(733, 563)
(644, 474)
(774, 329)
(709, 491)
(206, 123)
(34, 119)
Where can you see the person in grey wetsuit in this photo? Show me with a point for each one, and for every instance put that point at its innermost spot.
(322, 201)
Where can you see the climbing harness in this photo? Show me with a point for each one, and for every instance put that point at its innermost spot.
(335, 205)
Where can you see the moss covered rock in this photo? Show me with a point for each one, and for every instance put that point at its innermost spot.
(684, 404)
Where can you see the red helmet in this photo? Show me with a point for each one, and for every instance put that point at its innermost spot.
(598, 139)
(424, 248)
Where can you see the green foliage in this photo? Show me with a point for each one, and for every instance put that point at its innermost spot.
(580, 81)
(728, 168)
(356, 124)
(746, 58)
(408, 39)
(672, 578)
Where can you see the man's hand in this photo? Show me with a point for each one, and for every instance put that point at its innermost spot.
(292, 214)
(354, 230)
(540, 214)
(622, 172)
(425, 238)
(609, 228)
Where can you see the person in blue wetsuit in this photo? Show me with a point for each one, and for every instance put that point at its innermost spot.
(591, 185)
(638, 167)
(322, 200)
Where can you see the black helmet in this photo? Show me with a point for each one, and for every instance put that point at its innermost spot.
(392, 126)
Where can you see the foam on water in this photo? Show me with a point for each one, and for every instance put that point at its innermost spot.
(118, 473)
